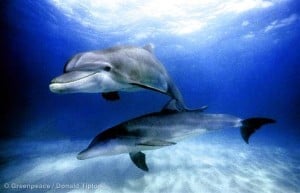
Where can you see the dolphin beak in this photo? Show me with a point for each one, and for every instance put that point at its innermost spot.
(72, 76)
(69, 82)
(56, 87)
(82, 155)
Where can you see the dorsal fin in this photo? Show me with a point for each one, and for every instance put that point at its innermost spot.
(149, 48)
(171, 106)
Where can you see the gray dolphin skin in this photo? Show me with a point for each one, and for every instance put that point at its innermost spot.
(121, 68)
(161, 129)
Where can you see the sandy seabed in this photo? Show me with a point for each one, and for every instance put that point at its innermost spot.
(189, 166)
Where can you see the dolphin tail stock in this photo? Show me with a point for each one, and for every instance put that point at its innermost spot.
(174, 92)
(249, 126)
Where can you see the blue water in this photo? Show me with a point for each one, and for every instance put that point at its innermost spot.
(239, 58)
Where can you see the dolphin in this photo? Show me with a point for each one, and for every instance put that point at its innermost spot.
(164, 128)
(121, 68)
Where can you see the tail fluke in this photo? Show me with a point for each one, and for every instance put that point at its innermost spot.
(251, 125)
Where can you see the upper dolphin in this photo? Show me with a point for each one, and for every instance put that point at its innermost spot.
(121, 68)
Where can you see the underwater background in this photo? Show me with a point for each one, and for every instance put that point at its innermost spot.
(237, 57)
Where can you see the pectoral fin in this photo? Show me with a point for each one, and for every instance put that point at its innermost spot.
(139, 159)
(111, 96)
(156, 142)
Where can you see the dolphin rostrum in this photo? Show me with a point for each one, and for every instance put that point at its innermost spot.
(122, 68)
(165, 128)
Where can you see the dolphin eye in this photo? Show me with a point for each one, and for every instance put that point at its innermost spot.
(107, 68)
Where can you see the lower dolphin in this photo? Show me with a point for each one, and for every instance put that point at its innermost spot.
(121, 68)
(161, 129)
